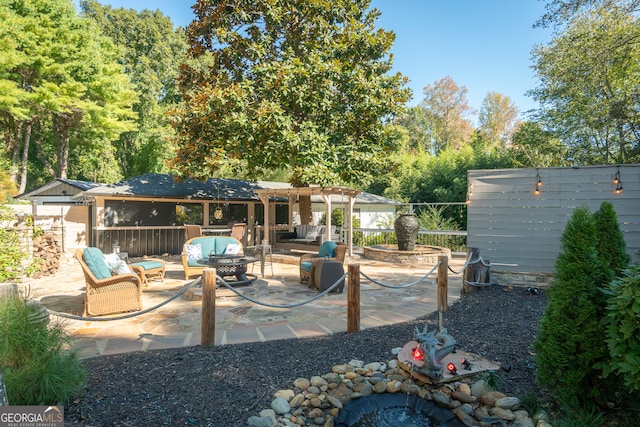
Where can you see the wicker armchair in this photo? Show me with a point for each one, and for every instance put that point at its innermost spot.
(328, 251)
(112, 294)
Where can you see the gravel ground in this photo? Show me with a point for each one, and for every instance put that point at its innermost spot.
(225, 385)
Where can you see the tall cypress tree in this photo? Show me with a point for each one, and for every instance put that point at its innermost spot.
(612, 249)
(571, 338)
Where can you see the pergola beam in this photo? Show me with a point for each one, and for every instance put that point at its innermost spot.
(291, 193)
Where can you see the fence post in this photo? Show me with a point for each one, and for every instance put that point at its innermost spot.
(208, 325)
(443, 283)
(472, 272)
(353, 298)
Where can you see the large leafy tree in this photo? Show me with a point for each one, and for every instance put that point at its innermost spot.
(446, 105)
(532, 146)
(589, 77)
(498, 120)
(63, 79)
(301, 85)
(152, 51)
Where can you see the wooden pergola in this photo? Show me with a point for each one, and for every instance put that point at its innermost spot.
(292, 193)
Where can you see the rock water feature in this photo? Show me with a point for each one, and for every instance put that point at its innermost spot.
(414, 387)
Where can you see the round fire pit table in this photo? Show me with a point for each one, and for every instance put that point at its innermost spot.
(231, 265)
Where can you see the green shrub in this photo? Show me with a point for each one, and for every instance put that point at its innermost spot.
(611, 247)
(623, 328)
(36, 367)
(570, 341)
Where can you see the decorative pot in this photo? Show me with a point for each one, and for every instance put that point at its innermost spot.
(406, 227)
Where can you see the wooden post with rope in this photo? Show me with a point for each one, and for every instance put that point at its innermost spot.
(443, 287)
(208, 325)
(353, 298)
(472, 272)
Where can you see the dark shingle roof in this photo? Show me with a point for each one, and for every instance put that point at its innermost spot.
(160, 185)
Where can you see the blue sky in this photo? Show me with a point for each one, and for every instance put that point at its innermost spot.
(484, 45)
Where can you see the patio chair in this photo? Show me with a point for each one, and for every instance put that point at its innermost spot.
(238, 231)
(328, 251)
(191, 231)
(107, 293)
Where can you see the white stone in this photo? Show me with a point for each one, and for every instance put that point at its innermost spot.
(375, 366)
(280, 405)
(356, 363)
(396, 351)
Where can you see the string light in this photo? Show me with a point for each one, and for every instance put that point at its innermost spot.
(536, 191)
(617, 182)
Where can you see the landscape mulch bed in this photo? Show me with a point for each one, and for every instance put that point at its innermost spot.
(225, 385)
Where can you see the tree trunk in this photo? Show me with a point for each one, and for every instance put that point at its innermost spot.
(25, 156)
(305, 210)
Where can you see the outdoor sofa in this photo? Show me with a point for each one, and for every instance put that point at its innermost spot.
(201, 247)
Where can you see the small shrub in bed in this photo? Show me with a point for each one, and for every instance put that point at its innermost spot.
(571, 338)
(623, 329)
(36, 367)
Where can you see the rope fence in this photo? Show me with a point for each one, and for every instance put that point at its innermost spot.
(210, 280)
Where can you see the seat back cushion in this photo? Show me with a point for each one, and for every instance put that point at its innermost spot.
(94, 258)
(222, 242)
(327, 249)
(207, 244)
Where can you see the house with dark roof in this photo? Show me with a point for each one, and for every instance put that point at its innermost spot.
(145, 215)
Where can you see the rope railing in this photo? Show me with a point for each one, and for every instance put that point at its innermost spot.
(384, 285)
(464, 267)
(290, 305)
(184, 289)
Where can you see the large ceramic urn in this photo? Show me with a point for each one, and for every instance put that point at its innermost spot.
(406, 226)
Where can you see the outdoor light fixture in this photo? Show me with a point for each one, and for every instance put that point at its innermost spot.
(452, 369)
(217, 214)
(618, 188)
(465, 363)
(538, 183)
(617, 182)
(418, 354)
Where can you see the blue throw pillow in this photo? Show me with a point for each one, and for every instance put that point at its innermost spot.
(94, 259)
(326, 249)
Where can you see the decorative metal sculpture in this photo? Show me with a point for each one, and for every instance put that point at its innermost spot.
(432, 349)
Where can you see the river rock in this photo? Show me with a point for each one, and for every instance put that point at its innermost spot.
(465, 388)
(462, 397)
(479, 387)
(286, 394)
(280, 406)
(505, 414)
(260, 421)
(491, 397)
(522, 419)
(375, 366)
(318, 381)
(356, 363)
(335, 402)
(302, 384)
(508, 402)
(393, 386)
(365, 389)
(297, 400)
(466, 419)
(380, 387)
